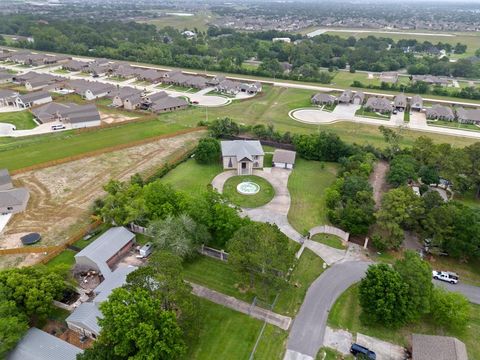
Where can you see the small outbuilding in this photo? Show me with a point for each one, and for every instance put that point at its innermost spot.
(39, 345)
(284, 159)
(429, 347)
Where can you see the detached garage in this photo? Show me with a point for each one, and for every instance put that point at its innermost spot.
(284, 159)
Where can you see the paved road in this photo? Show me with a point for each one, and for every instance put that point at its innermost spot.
(471, 292)
(308, 330)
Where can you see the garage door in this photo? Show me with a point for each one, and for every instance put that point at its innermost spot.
(356, 101)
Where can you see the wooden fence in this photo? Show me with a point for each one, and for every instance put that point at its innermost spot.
(105, 150)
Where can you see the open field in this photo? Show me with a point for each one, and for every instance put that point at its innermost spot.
(198, 21)
(61, 196)
(227, 334)
(23, 120)
(346, 312)
(307, 189)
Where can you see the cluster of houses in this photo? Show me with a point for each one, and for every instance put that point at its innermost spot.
(391, 77)
(461, 114)
(32, 59)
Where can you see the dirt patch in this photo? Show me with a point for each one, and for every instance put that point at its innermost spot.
(378, 182)
(61, 196)
(115, 118)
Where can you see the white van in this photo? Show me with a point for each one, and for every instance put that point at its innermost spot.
(58, 127)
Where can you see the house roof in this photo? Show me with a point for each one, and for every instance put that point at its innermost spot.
(5, 179)
(284, 156)
(242, 149)
(429, 347)
(440, 111)
(4, 93)
(346, 95)
(378, 103)
(107, 245)
(86, 316)
(127, 91)
(14, 197)
(322, 97)
(47, 112)
(417, 99)
(34, 96)
(468, 114)
(39, 345)
(167, 103)
(400, 100)
(359, 94)
(115, 280)
(4, 75)
(156, 96)
(81, 113)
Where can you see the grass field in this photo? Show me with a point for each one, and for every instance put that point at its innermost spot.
(346, 312)
(264, 196)
(198, 21)
(330, 240)
(307, 185)
(227, 334)
(23, 120)
(191, 177)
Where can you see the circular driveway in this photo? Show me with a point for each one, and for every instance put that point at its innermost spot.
(312, 116)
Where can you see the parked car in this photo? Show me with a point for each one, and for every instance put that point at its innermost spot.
(395, 112)
(58, 127)
(357, 349)
(447, 276)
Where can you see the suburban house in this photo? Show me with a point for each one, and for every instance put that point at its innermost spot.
(133, 102)
(323, 99)
(168, 103)
(430, 79)
(12, 200)
(379, 104)
(40, 345)
(78, 116)
(32, 99)
(388, 77)
(5, 77)
(400, 102)
(84, 320)
(180, 79)
(242, 155)
(125, 71)
(91, 90)
(440, 112)
(430, 347)
(124, 93)
(251, 88)
(416, 103)
(345, 97)
(283, 159)
(40, 81)
(468, 116)
(75, 65)
(228, 87)
(150, 75)
(102, 254)
(358, 98)
(7, 97)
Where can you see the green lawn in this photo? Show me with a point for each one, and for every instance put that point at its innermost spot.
(268, 160)
(454, 124)
(192, 177)
(65, 258)
(330, 240)
(23, 120)
(371, 114)
(227, 334)
(309, 267)
(307, 185)
(61, 71)
(330, 354)
(264, 196)
(346, 312)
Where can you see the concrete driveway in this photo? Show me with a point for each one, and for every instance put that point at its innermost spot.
(308, 330)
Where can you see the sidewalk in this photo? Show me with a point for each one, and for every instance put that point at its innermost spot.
(283, 322)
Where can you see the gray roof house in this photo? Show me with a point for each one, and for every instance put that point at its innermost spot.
(78, 116)
(12, 200)
(75, 65)
(345, 97)
(430, 79)
(400, 101)
(242, 155)
(440, 112)
(284, 158)
(358, 98)
(323, 99)
(7, 97)
(168, 103)
(33, 99)
(470, 116)
(377, 104)
(416, 103)
(102, 254)
(5, 77)
(429, 347)
(39, 345)
(84, 320)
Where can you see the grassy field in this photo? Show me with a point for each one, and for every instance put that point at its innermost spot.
(454, 125)
(346, 312)
(192, 177)
(307, 185)
(264, 196)
(227, 334)
(198, 21)
(330, 240)
(23, 120)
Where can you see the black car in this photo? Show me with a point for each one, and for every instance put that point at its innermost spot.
(362, 352)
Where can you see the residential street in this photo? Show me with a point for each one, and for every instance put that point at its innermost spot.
(471, 292)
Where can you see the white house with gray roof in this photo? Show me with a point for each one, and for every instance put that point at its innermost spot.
(39, 345)
(26, 101)
(102, 254)
(242, 155)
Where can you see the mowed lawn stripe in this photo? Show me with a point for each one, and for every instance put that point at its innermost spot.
(68, 144)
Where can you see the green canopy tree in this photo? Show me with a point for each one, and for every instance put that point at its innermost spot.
(208, 151)
(450, 309)
(13, 325)
(384, 296)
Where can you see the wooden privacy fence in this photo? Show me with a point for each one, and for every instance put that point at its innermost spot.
(52, 251)
(104, 150)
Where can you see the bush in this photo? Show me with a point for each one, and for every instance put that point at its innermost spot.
(208, 151)
(450, 309)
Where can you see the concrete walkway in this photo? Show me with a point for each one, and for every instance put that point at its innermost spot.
(283, 322)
